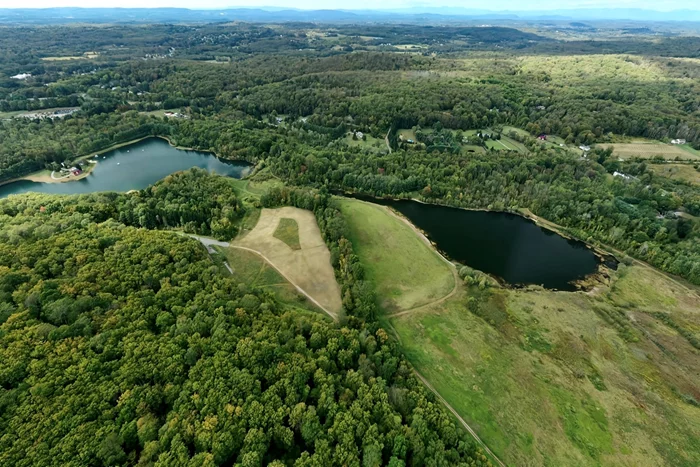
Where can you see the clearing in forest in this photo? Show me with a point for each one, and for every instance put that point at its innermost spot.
(405, 270)
(308, 267)
(684, 172)
(649, 150)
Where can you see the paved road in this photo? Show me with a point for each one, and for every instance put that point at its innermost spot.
(210, 242)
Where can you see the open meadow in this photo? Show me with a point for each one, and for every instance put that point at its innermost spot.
(418, 275)
(684, 172)
(543, 377)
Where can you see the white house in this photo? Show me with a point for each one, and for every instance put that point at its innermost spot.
(678, 141)
(22, 76)
(584, 148)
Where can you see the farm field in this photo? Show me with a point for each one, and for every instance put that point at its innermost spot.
(308, 267)
(649, 150)
(552, 378)
(405, 272)
(685, 172)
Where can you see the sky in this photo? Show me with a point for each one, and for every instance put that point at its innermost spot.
(664, 5)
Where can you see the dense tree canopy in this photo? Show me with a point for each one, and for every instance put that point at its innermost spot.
(122, 346)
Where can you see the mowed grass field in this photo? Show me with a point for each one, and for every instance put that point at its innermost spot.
(650, 150)
(250, 269)
(549, 378)
(405, 272)
(308, 267)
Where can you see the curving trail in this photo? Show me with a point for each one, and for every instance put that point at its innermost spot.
(210, 242)
(461, 420)
(398, 314)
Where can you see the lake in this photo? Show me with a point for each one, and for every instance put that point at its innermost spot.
(134, 167)
(504, 245)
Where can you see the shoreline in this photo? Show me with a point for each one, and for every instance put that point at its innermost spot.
(584, 284)
(44, 175)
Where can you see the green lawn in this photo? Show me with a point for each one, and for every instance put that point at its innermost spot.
(288, 231)
(405, 271)
(370, 142)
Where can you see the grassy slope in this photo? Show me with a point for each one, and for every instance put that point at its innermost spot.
(417, 275)
(541, 376)
(248, 268)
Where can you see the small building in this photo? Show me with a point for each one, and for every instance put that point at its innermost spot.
(76, 170)
(542, 137)
(678, 141)
(21, 76)
(584, 148)
(540, 107)
(359, 134)
(621, 175)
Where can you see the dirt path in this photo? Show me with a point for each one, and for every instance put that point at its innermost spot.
(209, 243)
(386, 140)
(296, 286)
(433, 303)
(461, 420)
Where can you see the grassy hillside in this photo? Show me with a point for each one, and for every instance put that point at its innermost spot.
(406, 273)
(553, 378)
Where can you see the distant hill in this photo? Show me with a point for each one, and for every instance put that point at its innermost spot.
(410, 15)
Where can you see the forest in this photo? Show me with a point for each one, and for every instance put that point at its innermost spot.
(125, 346)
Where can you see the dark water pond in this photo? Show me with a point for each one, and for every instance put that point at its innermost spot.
(505, 245)
(134, 167)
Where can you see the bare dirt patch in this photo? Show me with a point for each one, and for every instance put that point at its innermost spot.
(309, 267)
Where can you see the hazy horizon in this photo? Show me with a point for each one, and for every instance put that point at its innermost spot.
(503, 5)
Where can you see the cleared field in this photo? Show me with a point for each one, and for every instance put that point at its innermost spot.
(407, 134)
(309, 267)
(506, 143)
(549, 378)
(405, 271)
(370, 142)
(684, 172)
(250, 269)
(649, 150)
